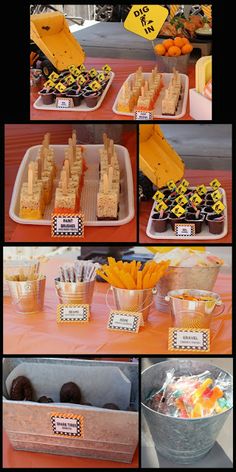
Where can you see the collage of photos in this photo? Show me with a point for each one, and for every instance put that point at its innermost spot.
(117, 250)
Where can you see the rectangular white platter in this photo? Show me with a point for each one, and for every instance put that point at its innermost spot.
(182, 105)
(90, 188)
(205, 234)
(39, 105)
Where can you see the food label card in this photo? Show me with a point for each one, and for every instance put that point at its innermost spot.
(125, 321)
(143, 115)
(64, 225)
(73, 313)
(64, 102)
(185, 230)
(181, 339)
(67, 424)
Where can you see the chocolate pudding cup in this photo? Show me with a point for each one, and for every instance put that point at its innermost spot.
(47, 97)
(197, 222)
(91, 99)
(160, 224)
(174, 220)
(76, 97)
(215, 227)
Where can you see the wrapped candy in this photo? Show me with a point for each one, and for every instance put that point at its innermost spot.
(192, 396)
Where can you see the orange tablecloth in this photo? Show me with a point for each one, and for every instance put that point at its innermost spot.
(35, 460)
(195, 177)
(122, 69)
(18, 138)
(40, 334)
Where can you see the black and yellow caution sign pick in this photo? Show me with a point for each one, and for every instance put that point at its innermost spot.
(146, 20)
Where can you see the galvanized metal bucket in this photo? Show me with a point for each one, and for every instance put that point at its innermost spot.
(199, 278)
(181, 440)
(75, 292)
(132, 300)
(27, 297)
(194, 314)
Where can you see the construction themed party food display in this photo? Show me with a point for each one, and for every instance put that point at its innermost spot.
(94, 180)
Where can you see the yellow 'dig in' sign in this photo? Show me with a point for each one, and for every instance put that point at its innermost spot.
(146, 20)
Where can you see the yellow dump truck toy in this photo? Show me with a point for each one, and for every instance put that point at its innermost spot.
(52, 40)
(158, 161)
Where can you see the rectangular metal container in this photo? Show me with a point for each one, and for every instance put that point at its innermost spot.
(108, 434)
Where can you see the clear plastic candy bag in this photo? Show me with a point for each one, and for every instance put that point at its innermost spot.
(192, 396)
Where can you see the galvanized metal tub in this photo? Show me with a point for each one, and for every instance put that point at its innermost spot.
(27, 297)
(133, 300)
(180, 440)
(199, 278)
(108, 434)
(75, 292)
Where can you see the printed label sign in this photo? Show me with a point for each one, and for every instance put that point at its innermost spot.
(201, 189)
(161, 206)
(69, 79)
(95, 85)
(101, 77)
(181, 200)
(143, 115)
(49, 84)
(181, 189)
(64, 102)
(158, 196)
(216, 195)
(186, 230)
(171, 185)
(181, 339)
(60, 87)
(92, 72)
(81, 80)
(195, 199)
(218, 207)
(76, 72)
(72, 313)
(124, 321)
(185, 183)
(53, 76)
(215, 184)
(146, 20)
(67, 225)
(106, 68)
(82, 68)
(67, 424)
(178, 210)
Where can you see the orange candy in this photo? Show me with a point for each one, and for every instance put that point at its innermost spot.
(168, 43)
(174, 51)
(187, 48)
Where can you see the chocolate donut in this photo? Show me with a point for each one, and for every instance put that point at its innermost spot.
(45, 399)
(21, 389)
(111, 406)
(70, 393)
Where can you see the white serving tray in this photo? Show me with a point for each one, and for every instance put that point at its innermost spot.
(182, 105)
(39, 105)
(90, 188)
(205, 234)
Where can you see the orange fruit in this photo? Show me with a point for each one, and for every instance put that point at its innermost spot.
(160, 50)
(185, 41)
(166, 54)
(174, 51)
(168, 43)
(179, 42)
(187, 48)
